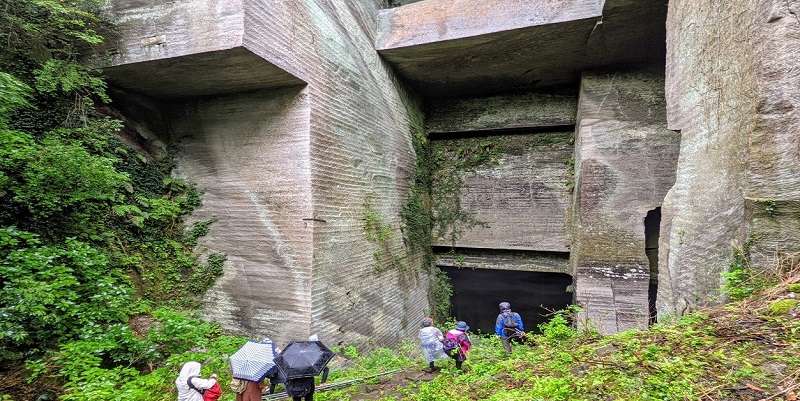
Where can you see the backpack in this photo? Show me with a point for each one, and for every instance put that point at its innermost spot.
(509, 320)
(238, 386)
(300, 387)
(212, 394)
(451, 347)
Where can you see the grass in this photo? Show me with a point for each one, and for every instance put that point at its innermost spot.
(737, 351)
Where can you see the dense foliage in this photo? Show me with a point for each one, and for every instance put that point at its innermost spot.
(91, 233)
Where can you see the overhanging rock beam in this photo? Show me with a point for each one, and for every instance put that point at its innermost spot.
(450, 48)
(193, 48)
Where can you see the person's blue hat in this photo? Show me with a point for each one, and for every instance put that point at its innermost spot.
(462, 325)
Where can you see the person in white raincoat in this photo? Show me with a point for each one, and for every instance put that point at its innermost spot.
(192, 370)
(431, 338)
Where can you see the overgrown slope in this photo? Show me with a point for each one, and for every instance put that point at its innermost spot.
(744, 350)
(91, 233)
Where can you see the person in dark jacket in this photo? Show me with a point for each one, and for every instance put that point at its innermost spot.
(301, 389)
(275, 378)
(507, 331)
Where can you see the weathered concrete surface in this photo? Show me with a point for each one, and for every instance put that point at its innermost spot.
(446, 20)
(502, 112)
(211, 73)
(193, 48)
(523, 198)
(506, 260)
(774, 160)
(631, 32)
(711, 98)
(162, 29)
(286, 171)
(733, 91)
(250, 155)
(624, 164)
(448, 48)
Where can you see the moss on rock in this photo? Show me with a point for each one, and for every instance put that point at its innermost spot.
(781, 307)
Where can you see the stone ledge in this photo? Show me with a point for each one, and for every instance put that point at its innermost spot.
(210, 73)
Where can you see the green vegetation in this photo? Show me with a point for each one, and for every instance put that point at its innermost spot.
(450, 160)
(770, 206)
(418, 222)
(380, 233)
(782, 307)
(116, 362)
(570, 163)
(416, 213)
(741, 281)
(736, 351)
(92, 235)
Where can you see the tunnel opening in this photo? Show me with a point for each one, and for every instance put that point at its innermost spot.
(534, 295)
(652, 228)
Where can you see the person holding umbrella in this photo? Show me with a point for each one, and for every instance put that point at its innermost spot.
(301, 388)
(300, 361)
(251, 364)
(252, 392)
(326, 370)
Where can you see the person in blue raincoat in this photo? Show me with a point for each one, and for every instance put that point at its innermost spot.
(508, 326)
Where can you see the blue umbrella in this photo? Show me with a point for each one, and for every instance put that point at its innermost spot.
(253, 360)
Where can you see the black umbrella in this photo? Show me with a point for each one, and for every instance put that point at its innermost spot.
(303, 359)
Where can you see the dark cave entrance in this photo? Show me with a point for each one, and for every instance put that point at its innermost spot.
(652, 229)
(476, 294)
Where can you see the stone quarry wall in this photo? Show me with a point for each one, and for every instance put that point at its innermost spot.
(733, 92)
(298, 132)
(287, 160)
(362, 122)
(624, 164)
(164, 29)
(711, 98)
(250, 156)
(522, 193)
(772, 193)
(520, 196)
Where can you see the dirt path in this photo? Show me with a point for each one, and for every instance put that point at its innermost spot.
(389, 385)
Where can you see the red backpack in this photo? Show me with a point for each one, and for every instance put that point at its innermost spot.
(212, 394)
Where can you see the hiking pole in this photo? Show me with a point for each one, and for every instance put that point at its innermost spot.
(328, 386)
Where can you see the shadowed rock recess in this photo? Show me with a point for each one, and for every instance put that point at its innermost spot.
(296, 121)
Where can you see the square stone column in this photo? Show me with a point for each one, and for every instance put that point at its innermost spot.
(625, 162)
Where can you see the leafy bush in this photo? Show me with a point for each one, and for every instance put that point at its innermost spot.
(52, 291)
(14, 94)
(114, 363)
(558, 328)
